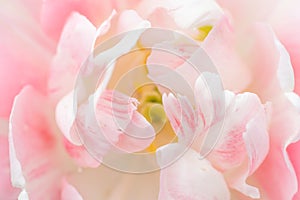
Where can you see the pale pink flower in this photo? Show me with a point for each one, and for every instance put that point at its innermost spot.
(51, 150)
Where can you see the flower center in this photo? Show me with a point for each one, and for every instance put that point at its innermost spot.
(152, 109)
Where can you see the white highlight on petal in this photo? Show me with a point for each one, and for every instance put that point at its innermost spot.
(285, 72)
(65, 116)
(104, 27)
(23, 195)
(294, 99)
(17, 177)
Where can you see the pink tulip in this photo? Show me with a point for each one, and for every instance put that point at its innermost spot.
(219, 121)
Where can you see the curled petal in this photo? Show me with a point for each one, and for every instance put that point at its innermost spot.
(282, 134)
(75, 45)
(65, 117)
(244, 143)
(285, 72)
(256, 141)
(209, 97)
(117, 114)
(283, 18)
(114, 124)
(182, 117)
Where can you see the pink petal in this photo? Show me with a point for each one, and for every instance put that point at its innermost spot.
(33, 146)
(185, 14)
(69, 192)
(80, 155)
(293, 150)
(65, 117)
(231, 150)
(170, 63)
(189, 177)
(94, 143)
(245, 12)
(115, 184)
(74, 47)
(121, 123)
(266, 52)
(210, 98)
(115, 124)
(256, 140)
(283, 19)
(24, 49)
(244, 143)
(55, 13)
(6, 189)
(221, 45)
(170, 78)
(282, 134)
(182, 117)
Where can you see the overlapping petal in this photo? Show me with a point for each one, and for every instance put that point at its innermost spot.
(34, 146)
(181, 179)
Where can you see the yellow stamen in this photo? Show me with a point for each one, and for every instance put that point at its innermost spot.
(152, 109)
(203, 31)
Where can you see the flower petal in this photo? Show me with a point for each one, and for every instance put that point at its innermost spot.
(7, 191)
(114, 125)
(69, 192)
(293, 150)
(220, 45)
(186, 14)
(121, 123)
(256, 140)
(34, 152)
(285, 71)
(74, 47)
(189, 177)
(231, 150)
(65, 116)
(282, 20)
(24, 49)
(282, 134)
(209, 97)
(54, 13)
(244, 143)
(246, 12)
(182, 117)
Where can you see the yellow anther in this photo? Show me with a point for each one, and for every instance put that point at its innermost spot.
(203, 31)
(152, 109)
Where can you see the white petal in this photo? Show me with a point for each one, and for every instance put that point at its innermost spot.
(285, 72)
(23, 195)
(17, 177)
